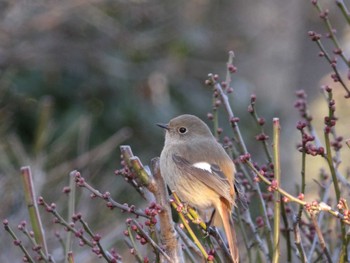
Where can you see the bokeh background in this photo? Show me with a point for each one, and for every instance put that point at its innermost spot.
(80, 77)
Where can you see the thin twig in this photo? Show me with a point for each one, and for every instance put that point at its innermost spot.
(298, 243)
(34, 215)
(237, 133)
(151, 241)
(105, 254)
(332, 169)
(344, 10)
(256, 118)
(176, 203)
(245, 236)
(134, 247)
(36, 246)
(60, 220)
(189, 245)
(325, 18)
(70, 213)
(277, 204)
(242, 149)
(17, 241)
(110, 201)
(313, 206)
(335, 69)
(246, 217)
(320, 237)
(325, 197)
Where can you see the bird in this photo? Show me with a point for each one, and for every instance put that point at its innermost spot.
(198, 169)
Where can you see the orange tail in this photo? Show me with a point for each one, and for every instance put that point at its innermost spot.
(230, 232)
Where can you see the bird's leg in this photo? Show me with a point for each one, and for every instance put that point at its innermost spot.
(211, 218)
(210, 230)
(214, 232)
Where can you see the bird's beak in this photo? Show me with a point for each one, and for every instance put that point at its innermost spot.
(164, 126)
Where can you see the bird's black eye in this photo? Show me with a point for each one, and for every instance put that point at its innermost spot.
(182, 130)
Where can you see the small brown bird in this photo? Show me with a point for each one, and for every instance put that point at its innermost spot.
(197, 168)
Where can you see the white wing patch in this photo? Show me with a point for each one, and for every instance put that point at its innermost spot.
(203, 166)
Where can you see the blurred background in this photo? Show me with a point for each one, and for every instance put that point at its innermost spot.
(80, 77)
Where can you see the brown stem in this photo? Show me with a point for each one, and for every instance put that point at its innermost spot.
(168, 235)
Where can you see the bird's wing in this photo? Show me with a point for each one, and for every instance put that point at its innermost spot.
(208, 174)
